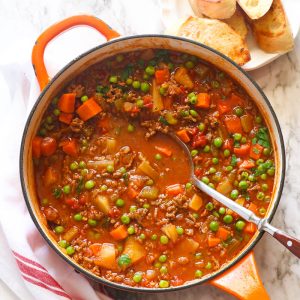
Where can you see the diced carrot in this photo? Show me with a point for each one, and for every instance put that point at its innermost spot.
(255, 151)
(103, 124)
(223, 233)
(203, 100)
(120, 233)
(164, 150)
(167, 102)
(242, 151)
(223, 108)
(132, 193)
(253, 207)
(247, 164)
(48, 146)
(175, 189)
(36, 146)
(235, 100)
(233, 124)
(88, 109)
(65, 118)
(95, 248)
(162, 75)
(183, 135)
(213, 241)
(250, 228)
(66, 103)
(70, 147)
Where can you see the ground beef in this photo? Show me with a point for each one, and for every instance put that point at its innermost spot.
(76, 125)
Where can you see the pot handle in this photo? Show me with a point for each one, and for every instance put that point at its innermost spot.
(242, 280)
(54, 30)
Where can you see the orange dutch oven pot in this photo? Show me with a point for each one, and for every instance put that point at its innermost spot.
(240, 276)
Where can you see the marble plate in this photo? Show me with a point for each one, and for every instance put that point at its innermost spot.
(175, 11)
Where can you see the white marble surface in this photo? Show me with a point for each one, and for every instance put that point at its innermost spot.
(21, 21)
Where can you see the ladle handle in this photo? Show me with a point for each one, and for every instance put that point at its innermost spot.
(289, 242)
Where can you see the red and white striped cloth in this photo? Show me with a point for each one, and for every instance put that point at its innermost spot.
(28, 266)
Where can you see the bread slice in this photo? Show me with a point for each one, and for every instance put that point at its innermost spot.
(272, 31)
(218, 35)
(237, 23)
(215, 9)
(255, 9)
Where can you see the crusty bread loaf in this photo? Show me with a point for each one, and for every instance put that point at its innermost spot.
(272, 31)
(217, 35)
(215, 9)
(255, 9)
(237, 23)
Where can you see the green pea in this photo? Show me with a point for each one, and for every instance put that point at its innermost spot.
(122, 170)
(262, 211)
(211, 185)
(267, 151)
(201, 126)
(84, 172)
(150, 182)
(205, 179)
(163, 258)
(198, 255)
(142, 236)
(110, 168)
(140, 103)
(74, 165)
(214, 226)
(55, 100)
(66, 189)
(215, 84)
(218, 142)
(70, 250)
(188, 185)
(158, 156)
(92, 222)
(150, 70)
(84, 98)
(194, 152)
(179, 230)
(59, 229)
(136, 84)
(63, 243)
(164, 283)
(56, 112)
(263, 176)
(189, 64)
(251, 178)
(215, 160)
(49, 120)
(146, 205)
(82, 164)
(260, 196)
(129, 81)
(234, 194)
(222, 210)
(164, 239)
(192, 98)
(195, 215)
(243, 140)
(157, 265)
(209, 206)
(184, 113)
(154, 237)
(206, 149)
(45, 202)
(208, 265)
(120, 202)
(212, 170)
(130, 128)
(258, 119)
(243, 185)
(239, 225)
(103, 187)
(124, 260)
(113, 79)
(264, 187)
(228, 219)
(119, 58)
(198, 274)
(132, 208)
(271, 171)
(258, 163)
(193, 113)
(245, 175)
(226, 152)
(163, 270)
(238, 111)
(145, 87)
(137, 277)
(237, 137)
(163, 91)
(89, 184)
(77, 217)
(125, 219)
(131, 230)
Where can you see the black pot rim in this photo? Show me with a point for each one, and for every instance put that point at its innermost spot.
(98, 279)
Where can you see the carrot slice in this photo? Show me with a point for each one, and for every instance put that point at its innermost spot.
(132, 193)
(164, 150)
(241, 151)
(95, 248)
(48, 146)
(255, 151)
(253, 207)
(120, 233)
(213, 241)
(70, 147)
(233, 124)
(174, 189)
(183, 135)
(223, 233)
(247, 164)
(66, 103)
(88, 109)
(250, 228)
(203, 100)
(36, 146)
(162, 75)
(65, 118)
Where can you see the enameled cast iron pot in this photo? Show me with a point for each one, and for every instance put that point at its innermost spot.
(239, 277)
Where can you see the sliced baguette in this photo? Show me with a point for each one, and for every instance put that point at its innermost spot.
(237, 23)
(255, 9)
(272, 32)
(215, 9)
(218, 35)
